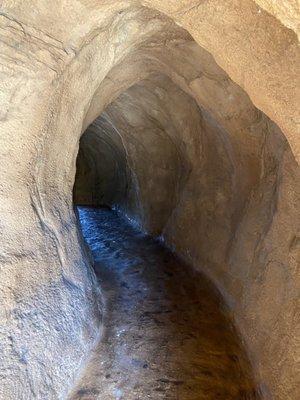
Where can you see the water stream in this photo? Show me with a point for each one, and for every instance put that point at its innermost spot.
(166, 334)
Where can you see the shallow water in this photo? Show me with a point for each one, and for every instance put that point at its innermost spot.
(166, 334)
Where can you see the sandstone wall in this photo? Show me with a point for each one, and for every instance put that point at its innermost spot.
(196, 148)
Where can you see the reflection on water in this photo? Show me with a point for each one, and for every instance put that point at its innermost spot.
(165, 335)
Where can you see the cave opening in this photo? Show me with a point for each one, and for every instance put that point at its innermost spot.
(181, 152)
(160, 161)
(101, 168)
(173, 126)
(168, 332)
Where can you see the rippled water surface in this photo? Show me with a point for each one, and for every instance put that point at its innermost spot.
(165, 336)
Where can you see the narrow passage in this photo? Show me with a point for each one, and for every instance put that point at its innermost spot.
(166, 334)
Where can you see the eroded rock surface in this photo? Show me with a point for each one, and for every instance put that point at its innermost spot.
(199, 102)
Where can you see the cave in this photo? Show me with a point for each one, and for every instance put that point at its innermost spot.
(149, 200)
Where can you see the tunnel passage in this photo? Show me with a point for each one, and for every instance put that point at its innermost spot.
(183, 164)
(101, 172)
(142, 171)
(203, 96)
(167, 333)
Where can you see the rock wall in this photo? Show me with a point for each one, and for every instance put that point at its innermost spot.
(190, 155)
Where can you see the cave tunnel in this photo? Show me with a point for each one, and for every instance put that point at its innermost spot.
(149, 200)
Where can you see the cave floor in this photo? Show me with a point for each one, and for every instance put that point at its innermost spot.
(166, 334)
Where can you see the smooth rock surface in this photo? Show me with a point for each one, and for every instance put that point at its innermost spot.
(204, 95)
